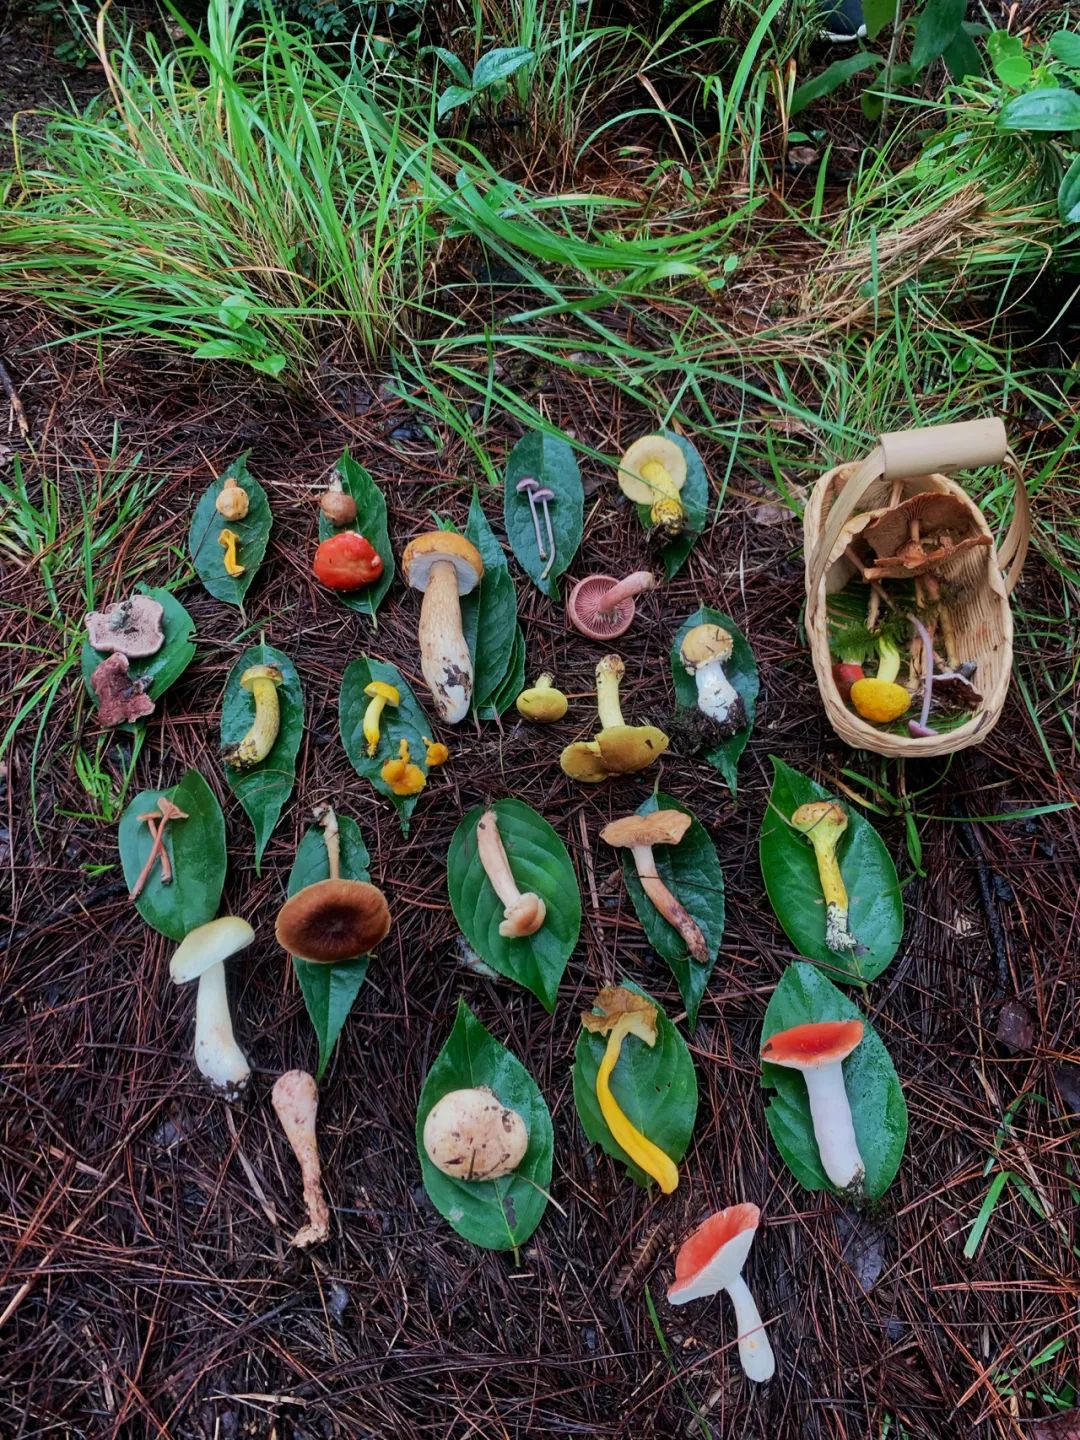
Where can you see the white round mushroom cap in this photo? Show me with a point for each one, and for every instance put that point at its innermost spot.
(208, 945)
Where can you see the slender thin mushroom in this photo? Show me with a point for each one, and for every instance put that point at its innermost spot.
(295, 1098)
(640, 833)
(165, 812)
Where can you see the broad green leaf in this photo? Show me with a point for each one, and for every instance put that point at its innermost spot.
(962, 57)
(876, 910)
(489, 613)
(208, 556)
(876, 15)
(550, 460)
(831, 78)
(1069, 195)
(405, 721)
(1065, 46)
(539, 863)
(329, 990)
(264, 790)
(170, 662)
(691, 871)
(656, 1090)
(1010, 60)
(499, 64)
(938, 24)
(741, 670)
(695, 498)
(196, 849)
(450, 60)
(497, 1214)
(512, 685)
(877, 1102)
(371, 523)
(452, 97)
(1042, 110)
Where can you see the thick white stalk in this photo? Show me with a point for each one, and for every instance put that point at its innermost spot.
(444, 656)
(217, 1055)
(755, 1352)
(716, 695)
(833, 1126)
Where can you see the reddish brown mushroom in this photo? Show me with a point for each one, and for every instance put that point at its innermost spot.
(928, 532)
(121, 697)
(602, 607)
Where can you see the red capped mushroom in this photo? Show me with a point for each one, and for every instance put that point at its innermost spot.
(602, 607)
(711, 1258)
(121, 697)
(819, 1050)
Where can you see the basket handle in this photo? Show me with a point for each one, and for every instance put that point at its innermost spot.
(904, 454)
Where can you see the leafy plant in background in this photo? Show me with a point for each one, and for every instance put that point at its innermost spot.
(1044, 105)
(489, 77)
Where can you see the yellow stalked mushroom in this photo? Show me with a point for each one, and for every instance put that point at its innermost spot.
(261, 681)
(230, 540)
(652, 472)
(402, 775)
(379, 694)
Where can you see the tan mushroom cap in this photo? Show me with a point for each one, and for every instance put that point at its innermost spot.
(333, 920)
(627, 748)
(655, 450)
(662, 827)
(812, 1046)
(703, 643)
(427, 551)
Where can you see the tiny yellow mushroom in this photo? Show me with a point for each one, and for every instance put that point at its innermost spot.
(402, 776)
(379, 695)
(625, 1013)
(437, 753)
(230, 540)
(262, 682)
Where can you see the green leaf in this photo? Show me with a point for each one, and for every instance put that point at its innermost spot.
(450, 60)
(264, 790)
(329, 990)
(499, 64)
(196, 848)
(1042, 110)
(539, 863)
(691, 871)
(876, 15)
(405, 721)
(877, 1102)
(550, 460)
(208, 556)
(830, 79)
(512, 685)
(497, 1214)
(876, 910)
(1009, 59)
(741, 670)
(1069, 195)
(489, 613)
(170, 662)
(695, 499)
(452, 97)
(1065, 46)
(656, 1090)
(962, 57)
(371, 523)
(938, 24)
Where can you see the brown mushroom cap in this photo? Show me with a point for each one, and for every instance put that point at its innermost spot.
(662, 827)
(130, 627)
(946, 532)
(703, 643)
(121, 697)
(426, 551)
(333, 920)
(809, 1047)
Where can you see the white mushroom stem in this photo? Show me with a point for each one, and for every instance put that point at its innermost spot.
(444, 656)
(674, 913)
(755, 1352)
(523, 914)
(716, 695)
(833, 1126)
(295, 1098)
(217, 1055)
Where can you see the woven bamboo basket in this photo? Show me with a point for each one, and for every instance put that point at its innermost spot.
(903, 464)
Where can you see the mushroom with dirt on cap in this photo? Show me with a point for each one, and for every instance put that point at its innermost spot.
(618, 748)
(295, 1098)
(640, 833)
(652, 472)
(704, 651)
(472, 1135)
(711, 1258)
(523, 914)
(819, 1050)
(333, 919)
(542, 702)
(131, 627)
(443, 566)
(201, 956)
(823, 822)
(262, 682)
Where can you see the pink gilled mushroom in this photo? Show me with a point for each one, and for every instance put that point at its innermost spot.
(120, 696)
(602, 607)
(819, 1050)
(711, 1258)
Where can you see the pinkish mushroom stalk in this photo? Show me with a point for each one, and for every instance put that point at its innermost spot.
(542, 497)
(295, 1098)
(635, 584)
(528, 486)
(523, 914)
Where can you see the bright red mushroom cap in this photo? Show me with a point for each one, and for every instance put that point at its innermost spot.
(809, 1047)
(713, 1253)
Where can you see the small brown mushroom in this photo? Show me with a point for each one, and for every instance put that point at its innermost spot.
(121, 697)
(640, 833)
(295, 1098)
(132, 627)
(333, 919)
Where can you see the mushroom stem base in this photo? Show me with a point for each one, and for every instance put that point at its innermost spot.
(755, 1352)
(834, 1129)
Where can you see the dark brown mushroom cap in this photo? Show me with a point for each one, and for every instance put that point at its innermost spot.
(131, 627)
(333, 920)
(121, 698)
(946, 532)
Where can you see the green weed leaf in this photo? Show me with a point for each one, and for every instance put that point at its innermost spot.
(497, 1214)
(550, 460)
(539, 863)
(405, 721)
(489, 613)
(876, 910)
(1009, 58)
(691, 871)
(452, 97)
(876, 15)
(695, 498)
(499, 64)
(371, 523)
(741, 670)
(656, 1090)
(877, 1101)
(264, 790)
(329, 990)
(208, 556)
(1042, 110)
(1065, 46)
(832, 78)
(170, 662)
(1069, 195)
(938, 24)
(196, 848)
